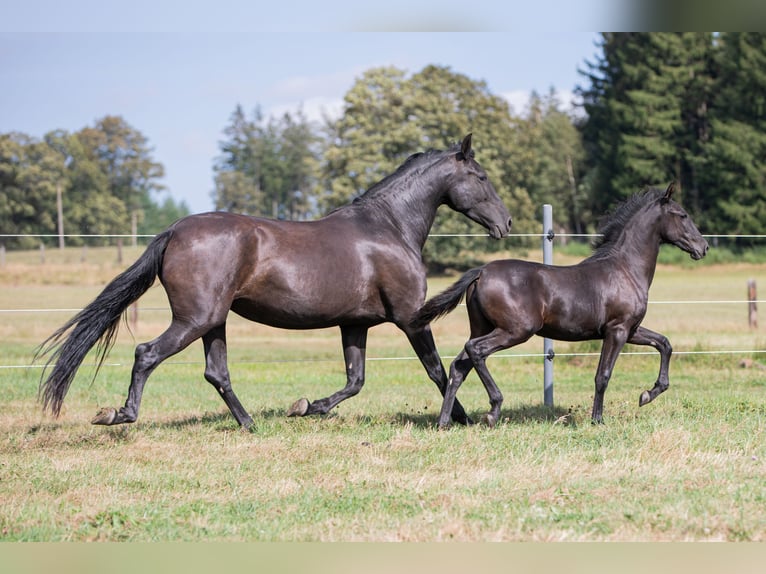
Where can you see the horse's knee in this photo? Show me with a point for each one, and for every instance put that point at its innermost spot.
(602, 381)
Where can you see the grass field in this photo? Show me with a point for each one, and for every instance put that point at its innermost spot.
(689, 466)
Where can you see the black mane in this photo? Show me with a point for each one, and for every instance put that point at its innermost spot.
(412, 166)
(614, 222)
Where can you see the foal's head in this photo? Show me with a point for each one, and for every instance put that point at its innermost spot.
(677, 228)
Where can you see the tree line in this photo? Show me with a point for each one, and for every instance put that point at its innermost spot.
(99, 180)
(654, 108)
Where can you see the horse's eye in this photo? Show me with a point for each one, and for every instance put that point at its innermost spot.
(482, 178)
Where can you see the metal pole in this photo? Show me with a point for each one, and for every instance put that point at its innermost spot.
(548, 343)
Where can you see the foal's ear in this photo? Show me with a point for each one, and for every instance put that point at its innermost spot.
(465, 148)
(668, 192)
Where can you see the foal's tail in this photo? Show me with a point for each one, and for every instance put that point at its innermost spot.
(445, 301)
(96, 323)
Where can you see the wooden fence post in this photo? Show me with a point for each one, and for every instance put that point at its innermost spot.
(752, 305)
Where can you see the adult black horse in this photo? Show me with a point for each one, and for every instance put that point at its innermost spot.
(603, 297)
(359, 266)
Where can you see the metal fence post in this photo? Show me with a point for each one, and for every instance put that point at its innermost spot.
(548, 235)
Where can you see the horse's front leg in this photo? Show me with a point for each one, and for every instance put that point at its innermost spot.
(217, 373)
(644, 336)
(422, 342)
(354, 351)
(614, 341)
(458, 370)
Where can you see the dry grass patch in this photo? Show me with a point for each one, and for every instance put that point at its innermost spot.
(689, 466)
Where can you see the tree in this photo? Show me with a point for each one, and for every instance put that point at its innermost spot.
(371, 139)
(553, 159)
(29, 172)
(88, 204)
(105, 175)
(123, 155)
(734, 159)
(388, 116)
(266, 167)
(646, 106)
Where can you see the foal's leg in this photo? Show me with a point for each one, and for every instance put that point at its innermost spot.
(478, 350)
(148, 355)
(422, 342)
(644, 336)
(614, 341)
(354, 352)
(217, 373)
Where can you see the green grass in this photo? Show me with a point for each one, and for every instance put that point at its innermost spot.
(689, 466)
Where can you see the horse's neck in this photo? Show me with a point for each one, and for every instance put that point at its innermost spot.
(636, 250)
(411, 210)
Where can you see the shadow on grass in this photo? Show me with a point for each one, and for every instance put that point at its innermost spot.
(222, 421)
(523, 415)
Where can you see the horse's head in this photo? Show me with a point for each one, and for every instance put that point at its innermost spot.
(471, 193)
(678, 228)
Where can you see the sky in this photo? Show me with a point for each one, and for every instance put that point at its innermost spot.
(180, 87)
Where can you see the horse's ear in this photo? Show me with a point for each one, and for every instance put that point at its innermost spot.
(669, 192)
(465, 148)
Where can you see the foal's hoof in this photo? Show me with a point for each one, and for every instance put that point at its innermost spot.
(298, 408)
(644, 398)
(105, 416)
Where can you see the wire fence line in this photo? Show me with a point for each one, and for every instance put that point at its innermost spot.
(414, 358)
(550, 236)
(555, 234)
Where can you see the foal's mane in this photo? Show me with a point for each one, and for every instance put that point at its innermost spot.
(614, 222)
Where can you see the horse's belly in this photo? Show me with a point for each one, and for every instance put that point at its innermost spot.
(570, 332)
(301, 316)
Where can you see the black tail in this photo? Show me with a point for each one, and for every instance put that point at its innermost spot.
(97, 323)
(445, 301)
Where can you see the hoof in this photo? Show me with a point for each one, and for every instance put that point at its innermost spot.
(644, 399)
(105, 416)
(298, 408)
(488, 420)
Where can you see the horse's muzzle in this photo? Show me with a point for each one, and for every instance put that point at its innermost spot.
(497, 233)
(698, 254)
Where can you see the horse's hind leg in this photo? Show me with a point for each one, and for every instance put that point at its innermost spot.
(644, 336)
(478, 349)
(148, 356)
(217, 373)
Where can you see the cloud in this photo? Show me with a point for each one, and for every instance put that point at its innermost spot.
(316, 109)
(519, 101)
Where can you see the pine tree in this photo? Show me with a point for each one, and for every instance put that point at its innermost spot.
(647, 113)
(735, 156)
